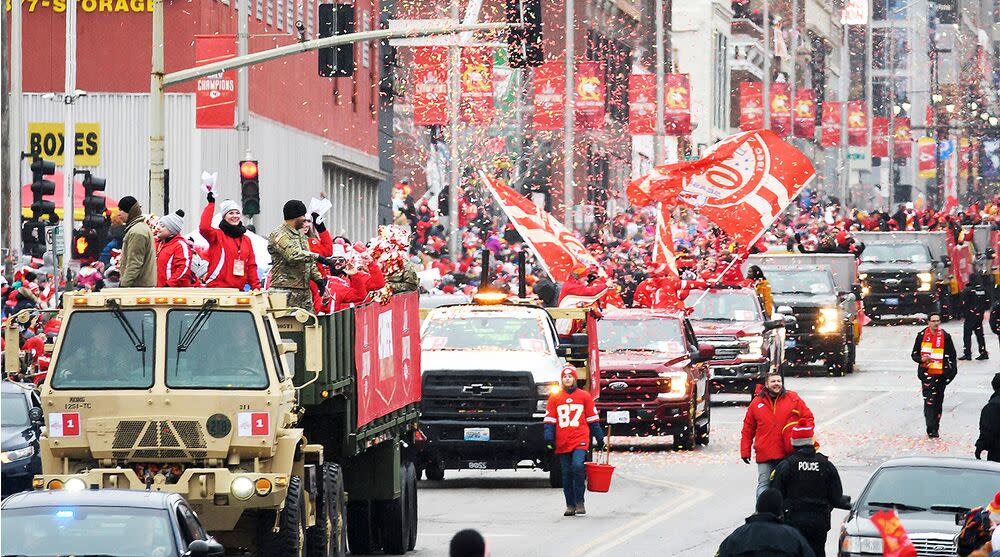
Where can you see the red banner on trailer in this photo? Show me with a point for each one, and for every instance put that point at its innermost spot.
(642, 104)
(857, 124)
(215, 95)
(430, 82)
(751, 106)
(477, 85)
(589, 101)
(387, 356)
(677, 104)
(902, 141)
(880, 136)
(830, 134)
(805, 114)
(781, 109)
(550, 88)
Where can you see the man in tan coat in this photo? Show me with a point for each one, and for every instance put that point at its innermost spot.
(138, 259)
(293, 265)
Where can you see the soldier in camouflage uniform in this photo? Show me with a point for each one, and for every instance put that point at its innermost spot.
(292, 264)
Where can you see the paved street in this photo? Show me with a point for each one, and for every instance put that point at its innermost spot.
(683, 504)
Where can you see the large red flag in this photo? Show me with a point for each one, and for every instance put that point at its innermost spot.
(857, 124)
(430, 77)
(902, 141)
(781, 109)
(663, 246)
(550, 88)
(741, 184)
(642, 104)
(215, 96)
(588, 105)
(751, 106)
(477, 85)
(880, 136)
(830, 134)
(805, 114)
(677, 104)
(895, 541)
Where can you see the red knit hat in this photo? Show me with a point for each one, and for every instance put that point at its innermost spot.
(568, 370)
(802, 433)
(994, 508)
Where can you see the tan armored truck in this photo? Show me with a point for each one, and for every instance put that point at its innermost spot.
(268, 420)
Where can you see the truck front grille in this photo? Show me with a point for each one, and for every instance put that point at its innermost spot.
(934, 547)
(805, 320)
(478, 395)
(158, 439)
(892, 283)
(726, 347)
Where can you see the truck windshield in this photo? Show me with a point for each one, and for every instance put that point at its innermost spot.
(799, 282)
(85, 530)
(732, 305)
(895, 253)
(224, 354)
(651, 334)
(485, 333)
(98, 351)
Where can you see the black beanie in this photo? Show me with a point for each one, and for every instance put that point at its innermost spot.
(770, 501)
(126, 203)
(996, 382)
(294, 209)
(467, 543)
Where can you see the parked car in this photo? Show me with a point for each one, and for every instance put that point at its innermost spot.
(654, 379)
(21, 420)
(114, 522)
(928, 493)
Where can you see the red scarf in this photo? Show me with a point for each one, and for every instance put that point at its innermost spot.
(933, 345)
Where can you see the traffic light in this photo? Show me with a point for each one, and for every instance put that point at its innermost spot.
(94, 206)
(250, 188)
(336, 19)
(524, 43)
(33, 238)
(40, 187)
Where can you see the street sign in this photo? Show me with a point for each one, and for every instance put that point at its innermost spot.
(945, 149)
(46, 140)
(856, 156)
(54, 236)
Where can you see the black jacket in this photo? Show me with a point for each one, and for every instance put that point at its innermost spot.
(809, 483)
(975, 302)
(764, 535)
(989, 422)
(995, 317)
(950, 357)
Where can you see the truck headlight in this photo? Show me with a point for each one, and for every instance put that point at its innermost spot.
(829, 321)
(547, 389)
(862, 276)
(755, 345)
(678, 385)
(862, 544)
(17, 454)
(242, 488)
(865, 290)
(926, 279)
(75, 484)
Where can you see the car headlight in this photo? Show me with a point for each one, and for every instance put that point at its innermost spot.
(547, 389)
(17, 454)
(926, 279)
(865, 290)
(862, 276)
(755, 345)
(242, 488)
(829, 321)
(862, 544)
(678, 385)
(542, 405)
(75, 484)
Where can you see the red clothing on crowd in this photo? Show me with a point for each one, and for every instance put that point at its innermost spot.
(572, 414)
(173, 264)
(231, 261)
(322, 245)
(349, 290)
(576, 287)
(765, 420)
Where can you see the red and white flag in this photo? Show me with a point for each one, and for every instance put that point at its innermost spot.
(215, 95)
(430, 88)
(663, 246)
(895, 541)
(741, 184)
(64, 424)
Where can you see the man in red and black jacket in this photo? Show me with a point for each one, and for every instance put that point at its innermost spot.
(771, 410)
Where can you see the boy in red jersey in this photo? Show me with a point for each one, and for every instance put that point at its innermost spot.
(570, 421)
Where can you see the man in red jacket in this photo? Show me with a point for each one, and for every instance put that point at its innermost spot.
(173, 254)
(771, 410)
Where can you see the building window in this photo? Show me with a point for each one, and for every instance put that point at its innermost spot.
(289, 15)
(355, 202)
(897, 9)
(279, 14)
(311, 19)
(720, 82)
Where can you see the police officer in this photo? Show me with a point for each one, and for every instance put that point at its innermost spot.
(810, 486)
(975, 302)
(293, 265)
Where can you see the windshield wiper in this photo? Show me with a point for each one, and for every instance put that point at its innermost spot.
(137, 341)
(713, 318)
(196, 326)
(950, 508)
(897, 506)
(793, 292)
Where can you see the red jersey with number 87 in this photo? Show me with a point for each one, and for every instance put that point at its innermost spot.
(572, 414)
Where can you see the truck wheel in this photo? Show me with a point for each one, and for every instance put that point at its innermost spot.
(411, 484)
(359, 528)
(704, 431)
(851, 356)
(555, 471)
(393, 523)
(434, 471)
(687, 438)
(327, 537)
(290, 539)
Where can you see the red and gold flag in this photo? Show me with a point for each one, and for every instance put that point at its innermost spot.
(751, 106)
(895, 541)
(642, 104)
(430, 78)
(781, 109)
(550, 88)
(830, 134)
(880, 136)
(677, 104)
(857, 124)
(805, 114)
(477, 85)
(588, 105)
(902, 141)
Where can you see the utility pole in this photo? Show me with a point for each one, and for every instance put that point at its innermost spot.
(766, 80)
(793, 74)
(156, 114)
(891, 112)
(660, 85)
(845, 77)
(455, 61)
(69, 136)
(868, 88)
(10, 190)
(568, 117)
(243, 86)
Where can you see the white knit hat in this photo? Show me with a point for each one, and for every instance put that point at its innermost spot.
(229, 205)
(173, 222)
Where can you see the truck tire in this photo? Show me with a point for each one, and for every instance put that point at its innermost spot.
(555, 471)
(326, 538)
(434, 471)
(393, 521)
(411, 484)
(360, 535)
(687, 438)
(704, 432)
(290, 539)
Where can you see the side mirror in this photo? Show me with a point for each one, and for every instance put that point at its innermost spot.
(785, 310)
(774, 324)
(287, 347)
(705, 353)
(844, 503)
(789, 320)
(198, 548)
(35, 415)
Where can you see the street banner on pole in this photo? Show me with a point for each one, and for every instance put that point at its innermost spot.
(663, 246)
(215, 95)
(781, 109)
(589, 101)
(550, 88)
(880, 136)
(902, 142)
(857, 124)
(677, 104)
(642, 104)
(751, 106)
(830, 134)
(855, 13)
(741, 184)
(430, 81)
(964, 157)
(925, 157)
(805, 114)
(477, 85)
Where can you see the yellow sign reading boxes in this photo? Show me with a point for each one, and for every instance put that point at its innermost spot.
(47, 140)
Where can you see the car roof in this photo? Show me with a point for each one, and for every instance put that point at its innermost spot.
(941, 462)
(622, 314)
(12, 387)
(91, 498)
(467, 310)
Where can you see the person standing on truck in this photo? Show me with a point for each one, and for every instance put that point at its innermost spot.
(570, 421)
(934, 352)
(771, 410)
(173, 254)
(138, 259)
(584, 283)
(975, 302)
(763, 289)
(810, 485)
(231, 259)
(292, 264)
(989, 426)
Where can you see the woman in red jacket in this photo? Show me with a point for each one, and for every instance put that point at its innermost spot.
(173, 254)
(321, 244)
(231, 261)
(348, 286)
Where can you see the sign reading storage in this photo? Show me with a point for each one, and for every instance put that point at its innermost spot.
(47, 140)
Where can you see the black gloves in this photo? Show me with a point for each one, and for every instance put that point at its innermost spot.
(325, 260)
(320, 227)
(979, 454)
(211, 197)
(600, 444)
(746, 460)
(321, 284)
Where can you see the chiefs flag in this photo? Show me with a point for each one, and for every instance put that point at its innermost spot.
(857, 124)
(805, 114)
(430, 77)
(215, 95)
(895, 541)
(925, 157)
(830, 134)
(677, 104)
(751, 106)
(477, 85)
(550, 86)
(880, 136)
(741, 184)
(902, 142)
(588, 104)
(781, 109)
(642, 104)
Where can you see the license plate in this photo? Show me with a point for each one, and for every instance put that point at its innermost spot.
(477, 434)
(789, 343)
(477, 465)
(892, 301)
(618, 417)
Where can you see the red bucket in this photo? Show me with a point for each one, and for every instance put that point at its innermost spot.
(599, 476)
